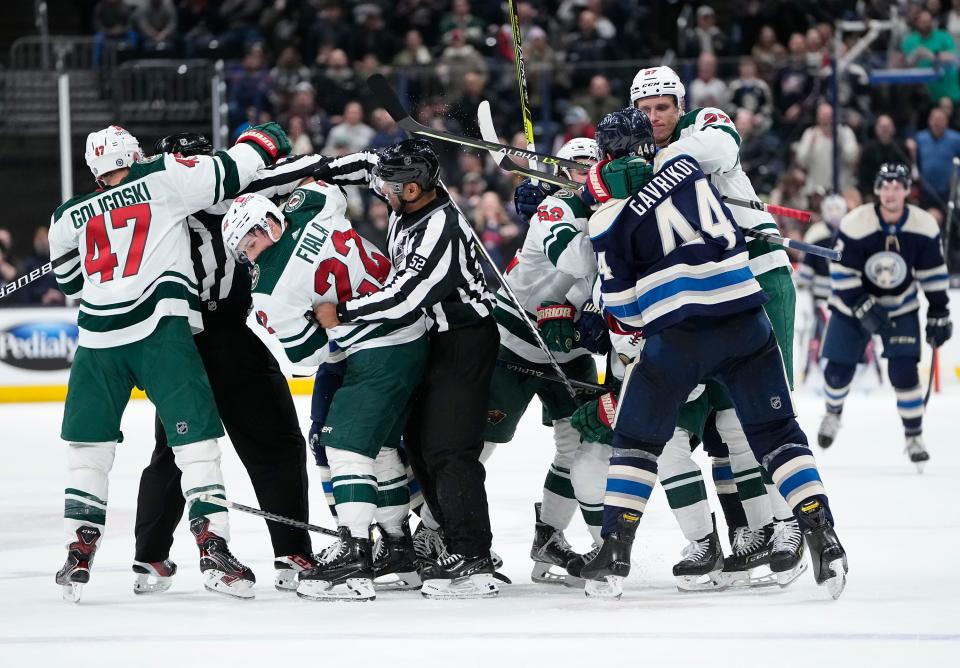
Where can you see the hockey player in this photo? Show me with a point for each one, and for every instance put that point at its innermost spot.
(305, 255)
(268, 441)
(125, 250)
(435, 252)
(889, 249)
(673, 265)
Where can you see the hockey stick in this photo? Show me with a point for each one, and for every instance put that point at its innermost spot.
(522, 80)
(10, 288)
(537, 373)
(279, 519)
(933, 374)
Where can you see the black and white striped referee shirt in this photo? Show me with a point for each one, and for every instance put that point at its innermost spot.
(223, 283)
(435, 254)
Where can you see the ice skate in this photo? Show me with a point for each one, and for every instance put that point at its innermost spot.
(287, 569)
(828, 430)
(749, 565)
(76, 569)
(828, 556)
(153, 577)
(428, 544)
(395, 561)
(604, 574)
(458, 576)
(223, 572)
(917, 453)
(575, 567)
(701, 567)
(786, 551)
(550, 553)
(344, 571)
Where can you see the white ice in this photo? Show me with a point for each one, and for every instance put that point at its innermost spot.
(901, 606)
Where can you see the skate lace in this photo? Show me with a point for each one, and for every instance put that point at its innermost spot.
(786, 536)
(331, 551)
(226, 555)
(695, 549)
(427, 541)
(381, 550)
(446, 559)
(560, 541)
(746, 540)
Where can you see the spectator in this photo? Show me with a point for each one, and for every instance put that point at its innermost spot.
(288, 73)
(928, 46)
(884, 147)
(330, 29)
(197, 22)
(157, 24)
(500, 235)
(598, 100)
(338, 83)
(388, 132)
(351, 135)
(457, 61)
(946, 104)
(44, 290)
(761, 152)
(373, 225)
(464, 108)
(373, 36)
(704, 36)
(460, 18)
(750, 92)
(790, 191)
(588, 45)
(953, 20)
(576, 123)
(303, 105)
(113, 25)
(768, 53)
(249, 85)
(8, 271)
(817, 55)
(815, 153)
(937, 146)
(794, 88)
(413, 51)
(299, 139)
(240, 19)
(544, 67)
(707, 90)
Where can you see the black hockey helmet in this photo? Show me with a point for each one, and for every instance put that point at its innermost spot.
(892, 171)
(626, 132)
(410, 161)
(184, 143)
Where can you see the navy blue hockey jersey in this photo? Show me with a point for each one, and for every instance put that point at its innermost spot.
(671, 252)
(889, 261)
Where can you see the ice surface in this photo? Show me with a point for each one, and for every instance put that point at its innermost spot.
(902, 603)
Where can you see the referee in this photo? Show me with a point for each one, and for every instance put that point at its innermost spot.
(251, 393)
(438, 273)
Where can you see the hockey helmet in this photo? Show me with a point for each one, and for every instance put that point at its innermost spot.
(579, 148)
(410, 161)
(626, 132)
(653, 81)
(892, 171)
(111, 149)
(247, 214)
(185, 144)
(833, 208)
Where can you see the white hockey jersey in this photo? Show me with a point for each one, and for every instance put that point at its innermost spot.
(125, 251)
(321, 258)
(556, 263)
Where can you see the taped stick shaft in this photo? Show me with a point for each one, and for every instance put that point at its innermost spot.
(279, 519)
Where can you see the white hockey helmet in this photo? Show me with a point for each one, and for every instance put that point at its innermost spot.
(833, 208)
(247, 213)
(111, 149)
(653, 81)
(579, 148)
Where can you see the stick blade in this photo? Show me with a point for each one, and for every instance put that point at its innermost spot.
(388, 97)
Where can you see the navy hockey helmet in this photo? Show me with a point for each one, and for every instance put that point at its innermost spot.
(892, 171)
(626, 132)
(410, 161)
(184, 143)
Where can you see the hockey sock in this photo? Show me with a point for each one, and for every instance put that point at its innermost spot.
(559, 502)
(199, 465)
(85, 497)
(354, 490)
(837, 379)
(320, 456)
(794, 470)
(413, 487)
(727, 493)
(393, 498)
(682, 480)
(588, 473)
(630, 480)
(781, 511)
(746, 470)
(906, 381)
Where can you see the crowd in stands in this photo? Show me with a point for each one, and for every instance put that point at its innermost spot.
(767, 64)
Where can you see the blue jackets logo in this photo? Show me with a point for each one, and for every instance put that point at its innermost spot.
(39, 346)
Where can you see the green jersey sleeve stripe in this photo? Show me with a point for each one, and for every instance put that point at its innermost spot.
(556, 247)
(301, 352)
(290, 339)
(216, 187)
(71, 287)
(231, 177)
(730, 131)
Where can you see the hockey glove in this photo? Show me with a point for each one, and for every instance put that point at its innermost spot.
(269, 139)
(527, 197)
(939, 328)
(618, 179)
(555, 322)
(594, 419)
(592, 332)
(872, 316)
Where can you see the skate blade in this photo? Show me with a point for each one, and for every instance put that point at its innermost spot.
(695, 583)
(406, 581)
(542, 573)
(237, 588)
(149, 584)
(609, 588)
(786, 578)
(71, 592)
(481, 585)
(920, 466)
(285, 580)
(353, 589)
(838, 581)
(750, 579)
